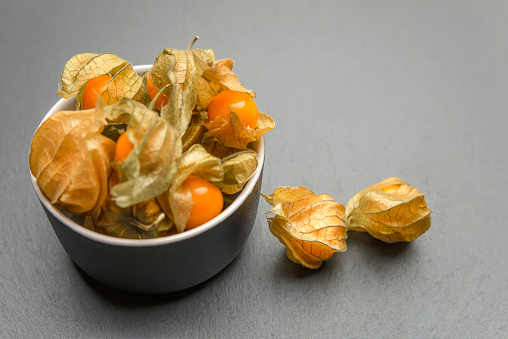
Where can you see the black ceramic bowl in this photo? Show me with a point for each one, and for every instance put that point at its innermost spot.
(165, 264)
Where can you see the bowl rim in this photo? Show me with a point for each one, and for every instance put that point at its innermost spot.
(110, 240)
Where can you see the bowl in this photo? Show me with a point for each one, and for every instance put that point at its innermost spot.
(160, 265)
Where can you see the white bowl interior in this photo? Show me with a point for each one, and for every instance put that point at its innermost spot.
(68, 104)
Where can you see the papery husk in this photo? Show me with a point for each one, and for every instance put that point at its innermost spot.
(221, 71)
(217, 76)
(229, 130)
(175, 73)
(69, 158)
(150, 167)
(206, 91)
(212, 145)
(125, 83)
(164, 64)
(139, 221)
(207, 55)
(85, 66)
(177, 201)
(121, 111)
(217, 150)
(195, 132)
(159, 72)
(114, 132)
(286, 194)
(183, 78)
(391, 211)
(142, 95)
(311, 226)
(238, 169)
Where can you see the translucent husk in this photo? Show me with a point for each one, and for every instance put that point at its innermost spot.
(391, 211)
(150, 167)
(69, 158)
(311, 226)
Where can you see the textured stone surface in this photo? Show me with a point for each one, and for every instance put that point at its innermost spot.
(359, 91)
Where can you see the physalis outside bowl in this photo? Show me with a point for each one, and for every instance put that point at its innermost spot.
(164, 264)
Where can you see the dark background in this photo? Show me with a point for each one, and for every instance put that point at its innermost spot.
(360, 91)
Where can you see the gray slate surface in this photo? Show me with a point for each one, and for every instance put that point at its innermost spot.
(360, 90)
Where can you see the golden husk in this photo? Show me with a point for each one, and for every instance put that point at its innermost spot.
(311, 226)
(149, 169)
(391, 211)
(69, 158)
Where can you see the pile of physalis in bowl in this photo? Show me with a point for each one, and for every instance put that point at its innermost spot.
(148, 153)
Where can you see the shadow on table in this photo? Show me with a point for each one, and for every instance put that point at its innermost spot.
(130, 299)
(377, 247)
(372, 248)
(284, 266)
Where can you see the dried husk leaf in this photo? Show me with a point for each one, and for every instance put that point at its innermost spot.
(219, 72)
(183, 77)
(306, 253)
(207, 55)
(206, 91)
(212, 146)
(218, 150)
(238, 169)
(85, 66)
(230, 131)
(265, 124)
(125, 83)
(140, 221)
(89, 224)
(177, 201)
(195, 132)
(69, 158)
(311, 226)
(159, 72)
(285, 194)
(391, 211)
(114, 132)
(152, 164)
(164, 64)
(166, 227)
(142, 94)
(120, 112)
